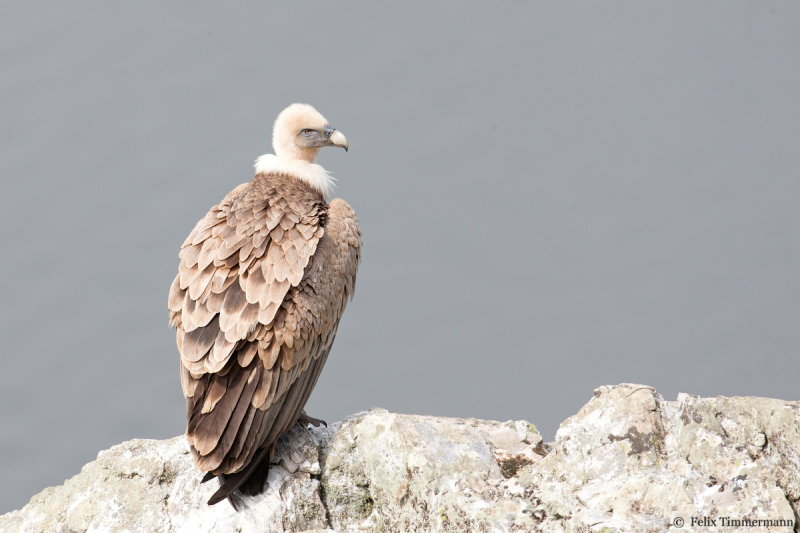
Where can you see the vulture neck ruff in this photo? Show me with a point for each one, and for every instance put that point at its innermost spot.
(310, 173)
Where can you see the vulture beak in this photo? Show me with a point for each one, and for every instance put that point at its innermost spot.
(337, 138)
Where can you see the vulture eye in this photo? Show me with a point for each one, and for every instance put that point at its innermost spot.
(307, 133)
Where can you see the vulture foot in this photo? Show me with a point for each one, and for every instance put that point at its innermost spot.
(304, 420)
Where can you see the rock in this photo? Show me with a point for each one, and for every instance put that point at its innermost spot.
(153, 486)
(390, 472)
(628, 461)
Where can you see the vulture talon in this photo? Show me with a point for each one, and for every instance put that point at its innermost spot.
(305, 420)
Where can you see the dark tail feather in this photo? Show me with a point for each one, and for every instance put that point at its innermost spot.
(249, 481)
(254, 485)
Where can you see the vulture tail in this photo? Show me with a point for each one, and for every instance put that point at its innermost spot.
(248, 481)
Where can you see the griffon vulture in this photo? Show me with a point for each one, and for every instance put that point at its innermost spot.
(263, 280)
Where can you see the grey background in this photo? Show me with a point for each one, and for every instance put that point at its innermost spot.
(554, 196)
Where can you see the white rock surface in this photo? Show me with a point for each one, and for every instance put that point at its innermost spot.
(627, 462)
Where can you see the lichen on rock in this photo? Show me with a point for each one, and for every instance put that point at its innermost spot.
(628, 461)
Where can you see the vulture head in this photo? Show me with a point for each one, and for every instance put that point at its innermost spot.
(300, 131)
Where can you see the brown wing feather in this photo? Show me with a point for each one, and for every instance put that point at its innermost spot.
(315, 309)
(262, 283)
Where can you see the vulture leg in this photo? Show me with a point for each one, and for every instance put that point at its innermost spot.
(304, 420)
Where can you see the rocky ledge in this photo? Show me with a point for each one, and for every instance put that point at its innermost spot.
(628, 461)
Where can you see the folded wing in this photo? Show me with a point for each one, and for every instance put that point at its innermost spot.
(262, 283)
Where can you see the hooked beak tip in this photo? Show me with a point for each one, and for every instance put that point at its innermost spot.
(338, 139)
